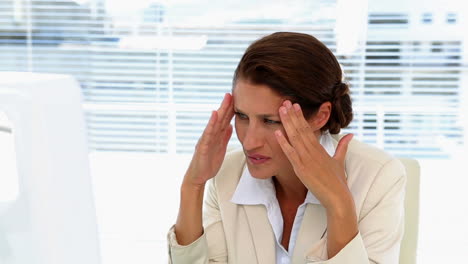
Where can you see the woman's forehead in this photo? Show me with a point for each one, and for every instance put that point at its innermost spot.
(247, 90)
(256, 98)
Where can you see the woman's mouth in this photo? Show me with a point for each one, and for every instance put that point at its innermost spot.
(257, 159)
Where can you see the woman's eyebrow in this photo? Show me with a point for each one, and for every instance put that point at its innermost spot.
(259, 115)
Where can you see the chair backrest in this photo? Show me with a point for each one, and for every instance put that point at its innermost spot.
(409, 244)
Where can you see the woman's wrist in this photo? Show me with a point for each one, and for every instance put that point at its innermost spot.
(192, 182)
(342, 205)
(342, 224)
(188, 187)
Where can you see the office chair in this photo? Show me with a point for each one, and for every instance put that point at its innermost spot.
(410, 238)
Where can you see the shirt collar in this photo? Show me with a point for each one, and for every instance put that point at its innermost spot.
(252, 191)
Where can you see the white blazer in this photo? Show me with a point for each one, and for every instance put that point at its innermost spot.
(242, 233)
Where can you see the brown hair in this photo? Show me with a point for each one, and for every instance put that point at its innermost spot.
(302, 68)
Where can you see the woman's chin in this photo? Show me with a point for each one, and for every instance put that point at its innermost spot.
(260, 174)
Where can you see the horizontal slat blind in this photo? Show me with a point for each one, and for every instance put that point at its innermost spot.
(150, 81)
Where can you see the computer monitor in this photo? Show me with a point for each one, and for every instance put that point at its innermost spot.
(47, 216)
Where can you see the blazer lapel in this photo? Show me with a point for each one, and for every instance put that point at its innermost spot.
(262, 233)
(313, 227)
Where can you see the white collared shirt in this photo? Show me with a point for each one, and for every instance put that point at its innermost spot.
(252, 191)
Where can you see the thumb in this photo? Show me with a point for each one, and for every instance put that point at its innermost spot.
(342, 148)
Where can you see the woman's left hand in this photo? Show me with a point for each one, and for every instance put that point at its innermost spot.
(322, 174)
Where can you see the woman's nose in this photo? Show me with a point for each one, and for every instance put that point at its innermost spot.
(253, 139)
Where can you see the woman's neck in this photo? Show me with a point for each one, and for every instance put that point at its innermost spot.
(292, 189)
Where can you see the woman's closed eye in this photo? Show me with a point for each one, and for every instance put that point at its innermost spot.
(273, 122)
(240, 115)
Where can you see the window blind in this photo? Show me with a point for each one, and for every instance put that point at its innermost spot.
(150, 78)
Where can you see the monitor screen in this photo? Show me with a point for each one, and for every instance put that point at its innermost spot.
(47, 212)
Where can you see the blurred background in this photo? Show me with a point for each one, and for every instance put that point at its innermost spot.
(151, 72)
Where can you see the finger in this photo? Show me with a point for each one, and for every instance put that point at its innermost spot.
(302, 123)
(228, 115)
(227, 135)
(298, 137)
(222, 111)
(306, 130)
(209, 131)
(292, 114)
(225, 110)
(290, 152)
(342, 148)
(224, 102)
(290, 129)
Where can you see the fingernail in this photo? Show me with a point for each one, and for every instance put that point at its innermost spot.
(288, 104)
(296, 107)
(284, 110)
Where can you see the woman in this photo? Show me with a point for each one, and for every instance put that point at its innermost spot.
(297, 192)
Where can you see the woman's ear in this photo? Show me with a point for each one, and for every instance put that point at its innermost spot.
(320, 118)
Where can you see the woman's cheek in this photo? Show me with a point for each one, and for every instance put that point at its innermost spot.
(271, 134)
(240, 130)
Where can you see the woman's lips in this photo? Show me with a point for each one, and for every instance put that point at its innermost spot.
(258, 159)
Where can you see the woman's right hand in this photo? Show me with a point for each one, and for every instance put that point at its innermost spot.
(211, 147)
